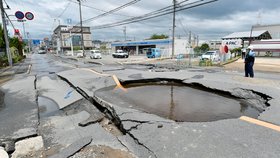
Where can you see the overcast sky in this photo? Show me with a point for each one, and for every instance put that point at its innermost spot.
(209, 22)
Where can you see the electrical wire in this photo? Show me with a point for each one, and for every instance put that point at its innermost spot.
(166, 10)
(158, 13)
(67, 6)
(10, 20)
(100, 10)
(112, 11)
(7, 4)
(109, 12)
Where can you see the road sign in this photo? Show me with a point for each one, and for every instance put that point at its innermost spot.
(36, 42)
(29, 16)
(19, 15)
(21, 20)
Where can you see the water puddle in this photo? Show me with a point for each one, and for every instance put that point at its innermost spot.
(47, 107)
(179, 102)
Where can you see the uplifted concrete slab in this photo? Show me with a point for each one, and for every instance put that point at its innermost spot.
(19, 115)
(88, 80)
(57, 90)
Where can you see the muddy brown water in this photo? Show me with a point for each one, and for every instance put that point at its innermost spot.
(180, 103)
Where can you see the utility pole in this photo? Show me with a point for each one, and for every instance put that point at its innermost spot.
(190, 47)
(82, 32)
(173, 30)
(24, 33)
(197, 40)
(6, 34)
(251, 32)
(190, 39)
(124, 31)
(28, 39)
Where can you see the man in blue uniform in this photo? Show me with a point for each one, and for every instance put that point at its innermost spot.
(249, 62)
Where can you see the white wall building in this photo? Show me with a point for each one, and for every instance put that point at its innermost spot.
(138, 47)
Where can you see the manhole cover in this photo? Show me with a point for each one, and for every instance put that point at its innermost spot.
(178, 102)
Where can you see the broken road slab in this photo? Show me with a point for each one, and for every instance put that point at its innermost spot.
(73, 148)
(19, 115)
(61, 131)
(57, 90)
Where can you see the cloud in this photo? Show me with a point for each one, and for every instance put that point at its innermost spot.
(211, 21)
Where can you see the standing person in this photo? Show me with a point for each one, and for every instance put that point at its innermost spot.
(243, 53)
(249, 62)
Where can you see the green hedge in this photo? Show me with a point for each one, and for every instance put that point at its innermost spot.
(4, 60)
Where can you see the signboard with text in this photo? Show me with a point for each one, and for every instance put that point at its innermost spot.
(234, 43)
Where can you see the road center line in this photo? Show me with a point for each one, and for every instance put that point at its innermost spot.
(260, 123)
(115, 78)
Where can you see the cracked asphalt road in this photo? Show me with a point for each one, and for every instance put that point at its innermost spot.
(84, 118)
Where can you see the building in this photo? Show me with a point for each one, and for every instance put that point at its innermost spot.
(96, 44)
(267, 47)
(214, 44)
(64, 35)
(242, 39)
(140, 47)
(274, 30)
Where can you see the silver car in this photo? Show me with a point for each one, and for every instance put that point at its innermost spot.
(95, 54)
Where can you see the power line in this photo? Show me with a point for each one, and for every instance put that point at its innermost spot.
(67, 6)
(150, 15)
(155, 14)
(112, 11)
(100, 10)
(10, 20)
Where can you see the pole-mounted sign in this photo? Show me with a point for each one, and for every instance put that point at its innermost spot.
(29, 16)
(19, 15)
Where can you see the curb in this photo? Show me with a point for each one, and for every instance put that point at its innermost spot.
(229, 62)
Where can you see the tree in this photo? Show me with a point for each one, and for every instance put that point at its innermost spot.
(157, 36)
(197, 50)
(15, 42)
(2, 41)
(204, 47)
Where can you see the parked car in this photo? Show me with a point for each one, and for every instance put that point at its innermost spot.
(211, 55)
(153, 53)
(42, 52)
(68, 53)
(120, 54)
(80, 54)
(95, 54)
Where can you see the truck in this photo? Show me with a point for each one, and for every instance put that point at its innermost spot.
(153, 53)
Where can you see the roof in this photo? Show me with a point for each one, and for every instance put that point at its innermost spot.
(245, 34)
(141, 43)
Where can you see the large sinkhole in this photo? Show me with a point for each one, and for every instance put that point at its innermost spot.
(180, 102)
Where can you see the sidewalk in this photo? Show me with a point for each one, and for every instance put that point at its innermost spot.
(8, 72)
(261, 64)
